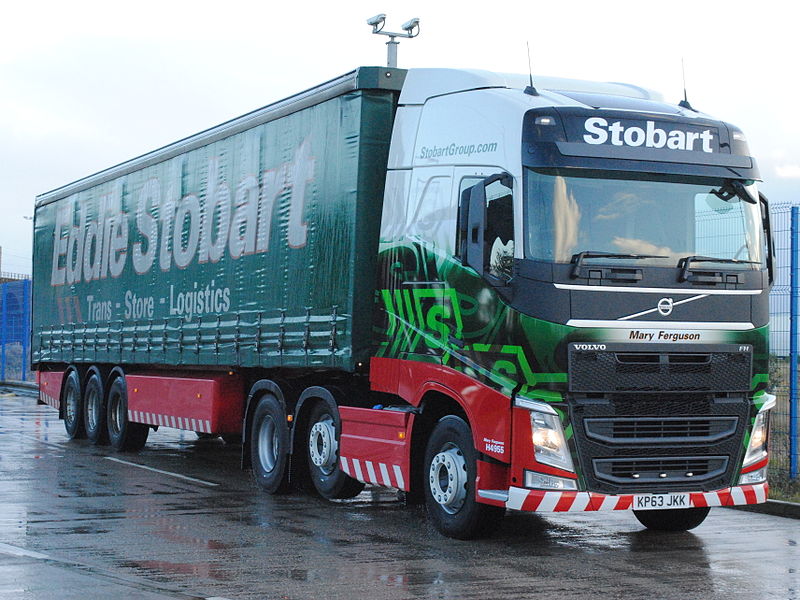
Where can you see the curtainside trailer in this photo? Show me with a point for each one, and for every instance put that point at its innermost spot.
(485, 294)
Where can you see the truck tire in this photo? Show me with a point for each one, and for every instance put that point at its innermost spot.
(123, 435)
(324, 428)
(94, 411)
(672, 519)
(269, 445)
(73, 407)
(449, 475)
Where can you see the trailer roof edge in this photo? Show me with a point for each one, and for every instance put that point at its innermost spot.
(362, 78)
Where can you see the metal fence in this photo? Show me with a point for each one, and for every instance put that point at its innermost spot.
(15, 331)
(783, 345)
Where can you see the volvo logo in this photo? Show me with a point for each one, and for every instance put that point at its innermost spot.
(590, 346)
(665, 307)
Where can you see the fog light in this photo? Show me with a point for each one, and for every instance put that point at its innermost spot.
(752, 477)
(548, 482)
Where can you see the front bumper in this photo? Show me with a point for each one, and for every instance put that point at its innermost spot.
(547, 501)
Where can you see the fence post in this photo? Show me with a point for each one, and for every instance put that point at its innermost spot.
(26, 327)
(794, 315)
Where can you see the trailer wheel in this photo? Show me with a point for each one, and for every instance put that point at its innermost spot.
(323, 455)
(672, 519)
(269, 445)
(73, 407)
(450, 473)
(123, 435)
(94, 411)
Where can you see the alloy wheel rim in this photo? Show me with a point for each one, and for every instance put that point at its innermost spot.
(448, 479)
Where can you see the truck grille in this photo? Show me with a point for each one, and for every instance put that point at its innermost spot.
(689, 469)
(631, 443)
(617, 369)
(676, 430)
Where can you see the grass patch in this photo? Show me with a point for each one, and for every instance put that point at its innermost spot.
(788, 491)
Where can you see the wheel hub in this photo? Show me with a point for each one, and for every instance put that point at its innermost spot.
(71, 404)
(117, 414)
(448, 479)
(91, 410)
(268, 444)
(322, 445)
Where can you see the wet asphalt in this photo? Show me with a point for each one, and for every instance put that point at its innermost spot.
(180, 520)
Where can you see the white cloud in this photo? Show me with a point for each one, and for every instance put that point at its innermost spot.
(788, 171)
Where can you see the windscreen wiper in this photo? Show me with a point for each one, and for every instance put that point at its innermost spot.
(686, 261)
(577, 259)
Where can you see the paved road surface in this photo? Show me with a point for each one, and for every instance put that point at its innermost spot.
(180, 520)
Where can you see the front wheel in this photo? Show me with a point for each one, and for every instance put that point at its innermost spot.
(323, 455)
(450, 473)
(673, 519)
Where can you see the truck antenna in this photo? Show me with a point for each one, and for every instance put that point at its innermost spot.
(685, 102)
(530, 90)
(410, 27)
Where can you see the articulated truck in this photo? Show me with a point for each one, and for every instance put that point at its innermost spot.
(486, 292)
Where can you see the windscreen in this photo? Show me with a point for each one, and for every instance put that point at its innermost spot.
(570, 211)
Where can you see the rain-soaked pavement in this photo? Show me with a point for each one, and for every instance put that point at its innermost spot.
(180, 520)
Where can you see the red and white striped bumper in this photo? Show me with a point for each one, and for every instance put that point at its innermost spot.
(543, 501)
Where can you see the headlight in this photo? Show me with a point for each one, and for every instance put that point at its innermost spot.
(549, 445)
(757, 449)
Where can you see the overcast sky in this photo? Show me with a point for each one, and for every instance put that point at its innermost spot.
(85, 85)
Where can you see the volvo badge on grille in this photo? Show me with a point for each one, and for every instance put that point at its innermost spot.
(665, 307)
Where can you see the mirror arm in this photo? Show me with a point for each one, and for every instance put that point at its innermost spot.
(768, 232)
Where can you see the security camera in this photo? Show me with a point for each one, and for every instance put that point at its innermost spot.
(411, 29)
(377, 20)
(409, 25)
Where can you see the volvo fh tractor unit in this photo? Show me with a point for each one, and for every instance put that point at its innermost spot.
(486, 294)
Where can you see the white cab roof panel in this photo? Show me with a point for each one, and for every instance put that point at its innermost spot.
(421, 84)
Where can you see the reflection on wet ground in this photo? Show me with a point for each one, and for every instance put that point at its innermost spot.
(74, 524)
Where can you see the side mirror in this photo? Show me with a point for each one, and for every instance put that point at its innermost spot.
(476, 224)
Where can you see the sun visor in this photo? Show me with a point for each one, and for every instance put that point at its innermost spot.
(649, 142)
